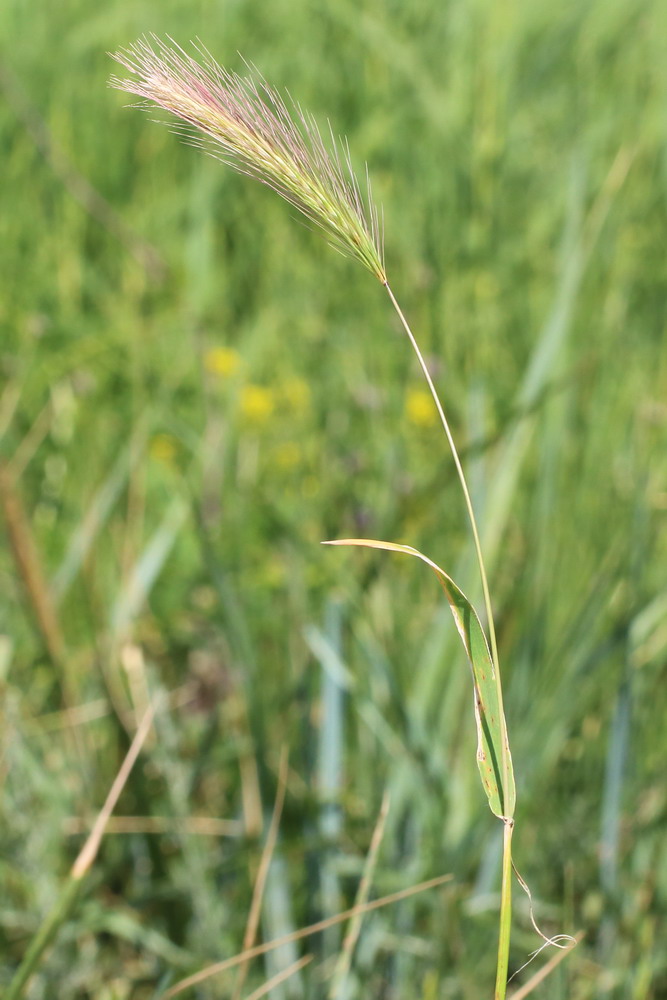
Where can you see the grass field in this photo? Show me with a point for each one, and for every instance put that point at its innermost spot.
(195, 392)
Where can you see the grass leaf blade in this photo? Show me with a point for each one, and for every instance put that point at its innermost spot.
(489, 718)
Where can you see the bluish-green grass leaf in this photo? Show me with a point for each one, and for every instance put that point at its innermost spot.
(493, 753)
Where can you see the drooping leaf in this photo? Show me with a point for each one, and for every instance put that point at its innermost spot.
(493, 753)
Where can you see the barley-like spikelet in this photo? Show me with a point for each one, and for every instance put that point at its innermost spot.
(244, 122)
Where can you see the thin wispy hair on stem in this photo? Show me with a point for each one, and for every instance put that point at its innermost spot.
(244, 122)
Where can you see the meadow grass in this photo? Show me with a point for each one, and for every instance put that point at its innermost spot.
(182, 439)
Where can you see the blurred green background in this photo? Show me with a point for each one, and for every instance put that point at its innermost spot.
(195, 391)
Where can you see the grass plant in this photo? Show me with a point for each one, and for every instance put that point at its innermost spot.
(252, 126)
(194, 392)
(73, 887)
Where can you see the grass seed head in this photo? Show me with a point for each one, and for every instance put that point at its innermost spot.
(244, 122)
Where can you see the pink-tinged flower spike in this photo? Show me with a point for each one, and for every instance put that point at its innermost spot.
(244, 122)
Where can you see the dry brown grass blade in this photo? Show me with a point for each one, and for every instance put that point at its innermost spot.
(9, 401)
(352, 935)
(263, 871)
(81, 715)
(30, 570)
(202, 826)
(546, 970)
(88, 852)
(28, 446)
(321, 925)
(29, 566)
(132, 660)
(251, 798)
(280, 977)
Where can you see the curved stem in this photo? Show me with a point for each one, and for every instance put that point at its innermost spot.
(506, 890)
(462, 480)
(471, 517)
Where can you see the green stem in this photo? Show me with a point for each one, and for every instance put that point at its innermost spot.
(505, 914)
(459, 469)
(471, 516)
(506, 767)
(44, 937)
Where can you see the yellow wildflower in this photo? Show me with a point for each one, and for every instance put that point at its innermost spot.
(223, 361)
(163, 447)
(257, 403)
(420, 408)
(287, 455)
